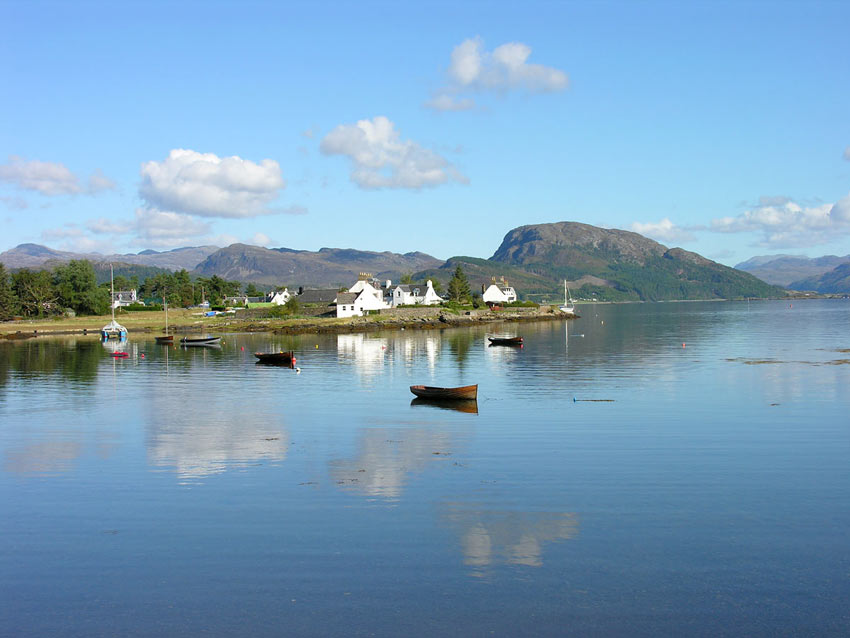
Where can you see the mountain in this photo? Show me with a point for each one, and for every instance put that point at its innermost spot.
(621, 265)
(327, 266)
(783, 270)
(35, 256)
(835, 281)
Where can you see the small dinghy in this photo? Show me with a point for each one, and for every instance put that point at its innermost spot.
(463, 393)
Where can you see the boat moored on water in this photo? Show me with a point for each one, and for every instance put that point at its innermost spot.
(505, 341)
(278, 358)
(112, 330)
(200, 341)
(569, 307)
(465, 393)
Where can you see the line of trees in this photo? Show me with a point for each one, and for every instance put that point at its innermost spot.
(73, 287)
(39, 293)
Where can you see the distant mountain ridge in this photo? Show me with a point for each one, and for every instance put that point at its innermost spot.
(327, 266)
(606, 264)
(835, 281)
(36, 256)
(789, 270)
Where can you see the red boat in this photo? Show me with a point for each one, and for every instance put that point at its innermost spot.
(465, 393)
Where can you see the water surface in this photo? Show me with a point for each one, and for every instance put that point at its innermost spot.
(647, 469)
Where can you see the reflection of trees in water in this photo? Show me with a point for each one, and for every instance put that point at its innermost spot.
(74, 360)
(199, 438)
(460, 343)
(492, 537)
(386, 458)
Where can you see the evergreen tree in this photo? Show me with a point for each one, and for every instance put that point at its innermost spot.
(8, 301)
(252, 291)
(458, 286)
(76, 285)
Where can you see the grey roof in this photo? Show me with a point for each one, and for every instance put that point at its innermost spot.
(346, 298)
(318, 295)
(412, 287)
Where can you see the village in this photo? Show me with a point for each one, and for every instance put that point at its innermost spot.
(366, 296)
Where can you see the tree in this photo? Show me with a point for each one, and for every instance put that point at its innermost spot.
(76, 285)
(406, 278)
(35, 292)
(8, 301)
(252, 291)
(458, 286)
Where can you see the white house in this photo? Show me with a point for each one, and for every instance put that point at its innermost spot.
(498, 293)
(121, 298)
(347, 306)
(278, 297)
(412, 294)
(360, 298)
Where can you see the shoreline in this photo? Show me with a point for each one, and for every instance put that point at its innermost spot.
(419, 319)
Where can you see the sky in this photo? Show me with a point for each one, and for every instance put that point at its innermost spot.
(719, 127)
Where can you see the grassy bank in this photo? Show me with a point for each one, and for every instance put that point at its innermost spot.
(187, 321)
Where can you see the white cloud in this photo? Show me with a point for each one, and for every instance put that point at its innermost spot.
(847, 153)
(103, 226)
(259, 239)
(782, 223)
(73, 239)
(505, 68)
(15, 203)
(206, 185)
(99, 182)
(446, 102)
(664, 231)
(47, 178)
(166, 229)
(380, 159)
(50, 178)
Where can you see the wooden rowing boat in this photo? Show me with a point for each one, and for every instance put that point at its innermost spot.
(280, 358)
(505, 341)
(466, 392)
(166, 339)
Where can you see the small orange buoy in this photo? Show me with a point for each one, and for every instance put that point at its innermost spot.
(683, 345)
(143, 356)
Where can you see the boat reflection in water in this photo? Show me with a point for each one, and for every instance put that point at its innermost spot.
(469, 406)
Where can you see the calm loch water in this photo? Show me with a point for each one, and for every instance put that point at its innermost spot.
(657, 469)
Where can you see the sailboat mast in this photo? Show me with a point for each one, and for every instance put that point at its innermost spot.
(112, 291)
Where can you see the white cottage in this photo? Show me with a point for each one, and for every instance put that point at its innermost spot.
(359, 299)
(415, 294)
(498, 293)
(278, 298)
(122, 298)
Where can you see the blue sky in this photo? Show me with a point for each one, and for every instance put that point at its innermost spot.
(723, 128)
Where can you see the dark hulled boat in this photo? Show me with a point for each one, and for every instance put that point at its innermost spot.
(278, 358)
(466, 392)
(505, 341)
(200, 341)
